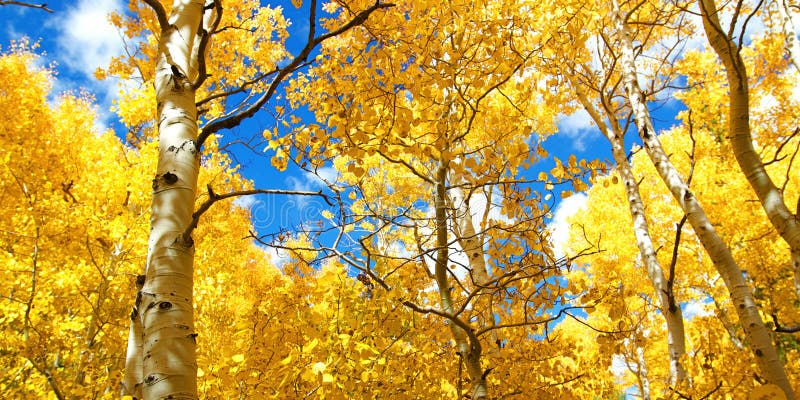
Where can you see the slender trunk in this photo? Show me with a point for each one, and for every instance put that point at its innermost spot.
(641, 372)
(792, 43)
(161, 361)
(469, 348)
(760, 341)
(749, 161)
(676, 336)
(471, 243)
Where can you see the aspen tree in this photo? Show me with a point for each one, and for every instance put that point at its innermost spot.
(661, 284)
(161, 360)
(772, 199)
(760, 341)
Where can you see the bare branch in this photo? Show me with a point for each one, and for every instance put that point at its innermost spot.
(784, 329)
(296, 63)
(42, 6)
(213, 198)
(205, 35)
(453, 319)
(673, 306)
(161, 13)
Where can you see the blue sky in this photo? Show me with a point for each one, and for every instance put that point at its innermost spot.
(77, 39)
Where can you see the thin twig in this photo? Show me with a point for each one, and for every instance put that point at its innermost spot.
(42, 6)
(213, 198)
(784, 329)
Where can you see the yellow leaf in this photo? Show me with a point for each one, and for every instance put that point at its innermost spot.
(327, 378)
(297, 3)
(543, 176)
(238, 358)
(310, 345)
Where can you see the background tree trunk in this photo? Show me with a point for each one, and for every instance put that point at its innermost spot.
(748, 158)
(676, 337)
(759, 337)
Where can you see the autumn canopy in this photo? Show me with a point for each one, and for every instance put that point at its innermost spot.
(389, 200)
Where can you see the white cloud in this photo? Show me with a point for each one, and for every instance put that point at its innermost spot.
(559, 225)
(328, 173)
(576, 123)
(245, 202)
(86, 41)
(87, 38)
(577, 126)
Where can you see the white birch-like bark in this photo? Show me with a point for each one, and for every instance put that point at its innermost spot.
(771, 198)
(792, 43)
(472, 243)
(469, 240)
(161, 361)
(766, 356)
(676, 335)
(641, 372)
(469, 348)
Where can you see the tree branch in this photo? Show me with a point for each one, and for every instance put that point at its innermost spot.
(205, 36)
(42, 6)
(161, 13)
(673, 306)
(784, 329)
(301, 58)
(213, 198)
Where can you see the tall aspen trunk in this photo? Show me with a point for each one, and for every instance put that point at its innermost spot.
(749, 161)
(469, 348)
(766, 356)
(676, 334)
(161, 361)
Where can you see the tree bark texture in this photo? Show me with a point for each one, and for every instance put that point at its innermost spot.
(749, 160)
(758, 335)
(469, 348)
(676, 334)
(161, 361)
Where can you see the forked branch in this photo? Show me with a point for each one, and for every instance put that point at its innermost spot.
(214, 197)
(296, 63)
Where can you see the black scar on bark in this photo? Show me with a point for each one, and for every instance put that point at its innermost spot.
(170, 178)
